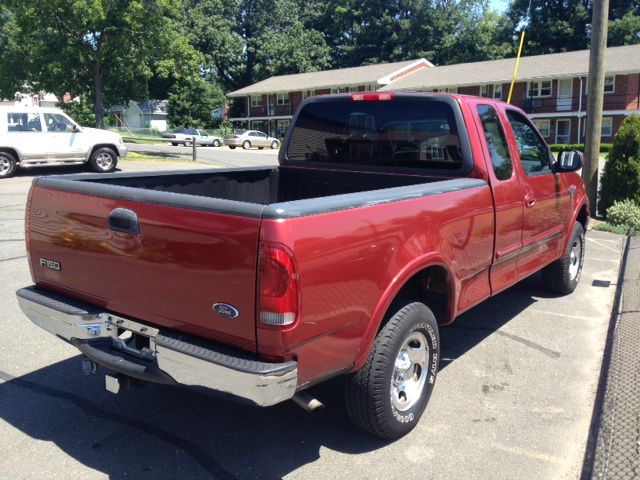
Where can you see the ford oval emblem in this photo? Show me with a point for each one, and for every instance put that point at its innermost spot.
(225, 310)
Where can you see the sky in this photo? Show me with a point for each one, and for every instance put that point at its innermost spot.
(499, 5)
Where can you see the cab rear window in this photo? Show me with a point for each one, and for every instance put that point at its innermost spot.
(404, 131)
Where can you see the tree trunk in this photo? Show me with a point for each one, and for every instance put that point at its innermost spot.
(98, 101)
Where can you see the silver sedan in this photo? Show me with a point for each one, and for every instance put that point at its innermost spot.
(251, 138)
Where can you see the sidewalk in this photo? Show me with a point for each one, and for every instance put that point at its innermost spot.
(617, 444)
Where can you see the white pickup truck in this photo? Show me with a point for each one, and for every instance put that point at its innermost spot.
(35, 136)
(186, 137)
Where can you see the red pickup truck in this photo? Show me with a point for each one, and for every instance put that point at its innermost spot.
(388, 215)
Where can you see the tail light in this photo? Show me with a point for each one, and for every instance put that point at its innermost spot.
(372, 97)
(277, 286)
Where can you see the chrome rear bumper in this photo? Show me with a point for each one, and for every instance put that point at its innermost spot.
(168, 357)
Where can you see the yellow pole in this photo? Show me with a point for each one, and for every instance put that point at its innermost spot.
(515, 70)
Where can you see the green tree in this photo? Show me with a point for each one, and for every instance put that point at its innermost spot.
(551, 26)
(107, 49)
(81, 110)
(621, 177)
(191, 103)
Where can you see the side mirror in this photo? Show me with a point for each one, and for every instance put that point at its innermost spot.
(569, 161)
(76, 128)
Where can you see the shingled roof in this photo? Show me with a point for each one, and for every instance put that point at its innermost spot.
(619, 60)
(380, 74)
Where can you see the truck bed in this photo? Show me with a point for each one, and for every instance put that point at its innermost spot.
(265, 186)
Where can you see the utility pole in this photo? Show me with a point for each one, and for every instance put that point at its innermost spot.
(595, 93)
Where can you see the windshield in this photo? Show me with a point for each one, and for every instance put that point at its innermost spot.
(407, 131)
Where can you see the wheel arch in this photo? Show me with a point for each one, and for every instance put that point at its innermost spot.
(11, 151)
(429, 280)
(103, 145)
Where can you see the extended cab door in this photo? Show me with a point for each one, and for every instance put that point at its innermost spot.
(507, 195)
(543, 226)
(24, 133)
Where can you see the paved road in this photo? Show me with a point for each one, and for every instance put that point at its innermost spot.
(221, 156)
(513, 399)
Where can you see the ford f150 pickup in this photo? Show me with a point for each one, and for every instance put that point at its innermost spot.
(387, 216)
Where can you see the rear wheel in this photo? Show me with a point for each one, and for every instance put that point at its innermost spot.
(232, 147)
(563, 275)
(246, 144)
(187, 143)
(174, 144)
(388, 395)
(103, 160)
(8, 165)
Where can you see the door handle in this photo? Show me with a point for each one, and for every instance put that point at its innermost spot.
(124, 220)
(529, 200)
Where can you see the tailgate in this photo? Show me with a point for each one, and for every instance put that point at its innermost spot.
(181, 263)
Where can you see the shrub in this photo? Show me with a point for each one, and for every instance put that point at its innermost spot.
(621, 177)
(556, 147)
(625, 213)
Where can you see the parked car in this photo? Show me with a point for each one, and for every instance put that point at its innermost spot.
(385, 220)
(36, 136)
(251, 138)
(185, 136)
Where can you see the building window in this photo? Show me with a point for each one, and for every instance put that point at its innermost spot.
(607, 127)
(609, 84)
(451, 89)
(539, 89)
(308, 93)
(256, 100)
(497, 91)
(544, 127)
(282, 127)
(283, 99)
(484, 91)
(340, 90)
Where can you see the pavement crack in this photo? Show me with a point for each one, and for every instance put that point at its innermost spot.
(197, 453)
(12, 258)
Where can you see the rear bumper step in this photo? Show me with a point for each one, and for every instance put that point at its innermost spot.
(170, 357)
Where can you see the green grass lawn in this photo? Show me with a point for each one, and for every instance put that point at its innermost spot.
(141, 157)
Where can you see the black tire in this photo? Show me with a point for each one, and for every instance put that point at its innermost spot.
(103, 160)
(8, 165)
(174, 144)
(246, 144)
(260, 148)
(216, 143)
(232, 147)
(563, 275)
(373, 400)
(274, 145)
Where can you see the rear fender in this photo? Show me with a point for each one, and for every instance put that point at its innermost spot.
(390, 294)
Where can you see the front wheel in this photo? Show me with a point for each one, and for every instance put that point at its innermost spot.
(187, 144)
(216, 143)
(563, 275)
(274, 144)
(388, 395)
(8, 165)
(103, 160)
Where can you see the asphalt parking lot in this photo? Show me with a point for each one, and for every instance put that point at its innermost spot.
(514, 397)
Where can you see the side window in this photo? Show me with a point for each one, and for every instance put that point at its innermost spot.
(496, 141)
(23, 122)
(57, 123)
(534, 155)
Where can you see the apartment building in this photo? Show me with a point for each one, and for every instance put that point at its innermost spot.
(551, 88)
(269, 105)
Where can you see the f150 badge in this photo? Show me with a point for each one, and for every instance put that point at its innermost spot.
(51, 264)
(225, 310)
